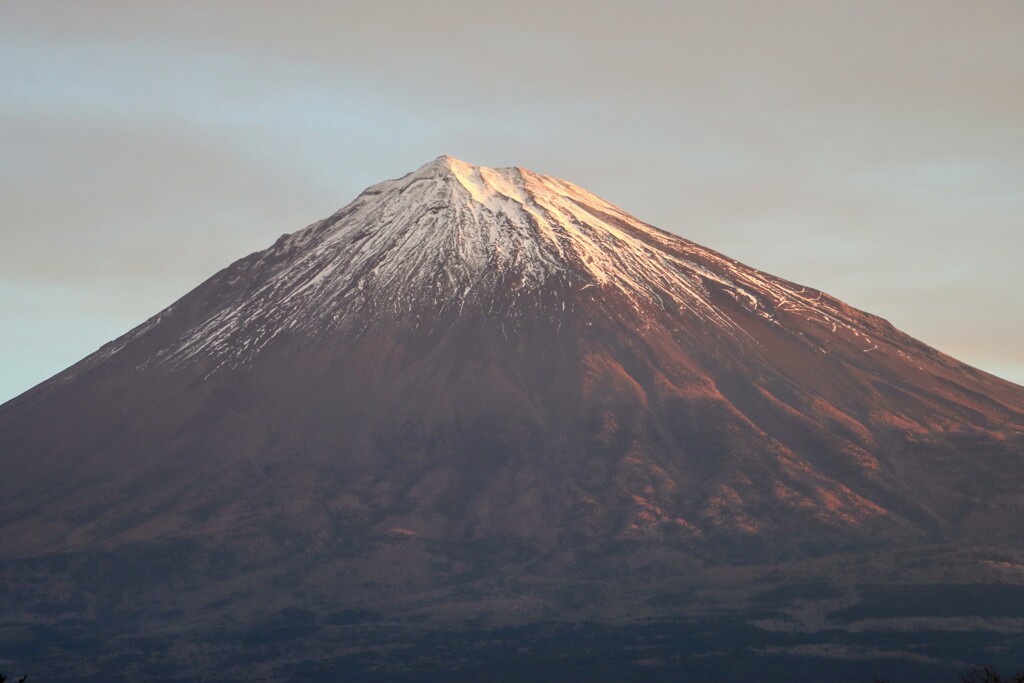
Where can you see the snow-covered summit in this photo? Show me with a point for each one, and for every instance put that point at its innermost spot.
(452, 237)
(454, 223)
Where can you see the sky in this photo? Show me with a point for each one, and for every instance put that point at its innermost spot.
(874, 150)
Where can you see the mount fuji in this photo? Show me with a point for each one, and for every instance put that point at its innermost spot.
(485, 396)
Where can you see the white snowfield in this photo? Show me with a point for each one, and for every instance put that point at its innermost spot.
(451, 233)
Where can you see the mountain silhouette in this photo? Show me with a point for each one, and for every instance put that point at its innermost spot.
(474, 375)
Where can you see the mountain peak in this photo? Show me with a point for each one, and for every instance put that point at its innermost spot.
(452, 238)
(441, 165)
(502, 248)
(492, 188)
(478, 351)
(472, 395)
(446, 163)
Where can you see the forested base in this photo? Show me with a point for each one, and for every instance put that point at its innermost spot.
(180, 613)
(293, 649)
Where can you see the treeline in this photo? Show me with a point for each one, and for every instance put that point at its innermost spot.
(982, 674)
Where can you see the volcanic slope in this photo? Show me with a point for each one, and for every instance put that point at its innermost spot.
(468, 353)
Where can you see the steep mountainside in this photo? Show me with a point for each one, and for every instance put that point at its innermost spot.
(468, 351)
(467, 360)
